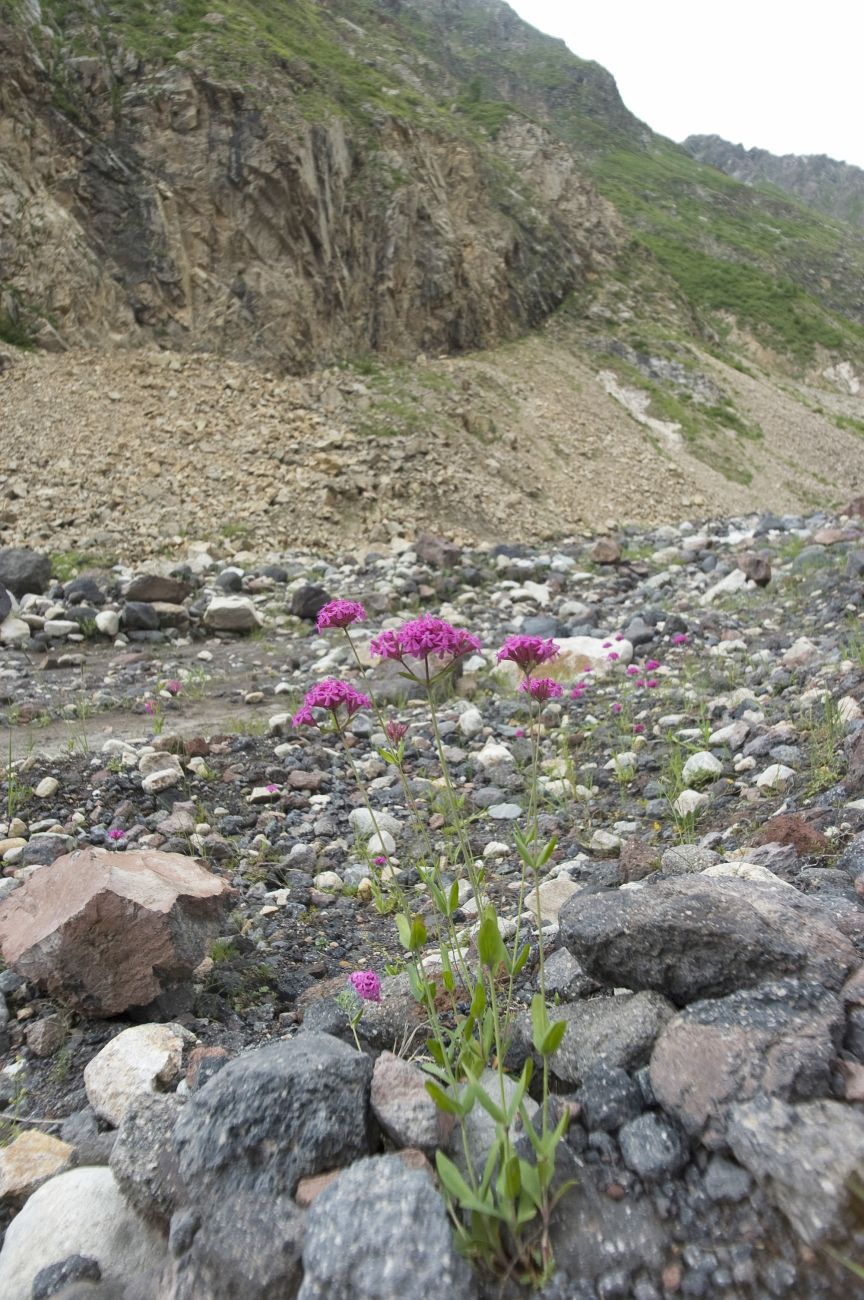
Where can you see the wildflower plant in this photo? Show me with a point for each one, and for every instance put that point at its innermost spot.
(501, 1212)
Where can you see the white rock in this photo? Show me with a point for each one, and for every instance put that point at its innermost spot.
(554, 894)
(690, 801)
(746, 871)
(623, 764)
(745, 764)
(701, 767)
(493, 753)
(108, 622)
(800, 654)
(164, 779)
(81, 1212)
(734, 581)
(142, 1059)
(471, 722)
(330, 881)
(505, 812)
(363, 823)
(496, 849)
(232, 614)
(383, 843)
(605, 842)
(57, 627)
(732, 735)
(156, 762)
(849, 709)
(48, 786)
(263, 794)
(13, 630)
(775, 777)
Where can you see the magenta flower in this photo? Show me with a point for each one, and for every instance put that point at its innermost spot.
(613, 655)
(680, 638)
(652, 683)
(366, 984)
(651, 664)
(340, 613)
(174, 687)
(395, 731)
(632, 670)
(380, 861)
(330, 694)
(422, 637)
(541, 688)
(149, 707)
(116, 834)
(639, 728)
(619, 636)
(616, 707)
(519, 733)
(271, 788)
(528, 652)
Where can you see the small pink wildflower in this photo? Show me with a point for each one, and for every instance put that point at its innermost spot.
(632, 670)
(619, 636)
(174, 687)
(519, 733)
(528, 652)
(422, 637)
(395, 731)
(340, 613)
(639, 728)
(541, 688)
(616, 707)
(330, 694)
(652, 683)
(366, 984)
(651, 664)
(613, 655)
(680, 638)
(149, 707)
(271, 788)
(380, 861)
(116, 834)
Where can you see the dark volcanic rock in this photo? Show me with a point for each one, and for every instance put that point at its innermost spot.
(381, 1201)
(694, 937)
(23, 571)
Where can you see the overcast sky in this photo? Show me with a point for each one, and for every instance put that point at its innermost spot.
(782, 76)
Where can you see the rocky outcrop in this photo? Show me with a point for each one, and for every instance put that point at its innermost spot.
(835, 188)
(161, 199)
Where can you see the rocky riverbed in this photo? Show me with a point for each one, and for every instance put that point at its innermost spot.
(180, 1119)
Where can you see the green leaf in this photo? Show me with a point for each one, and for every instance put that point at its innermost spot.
(418, 933)
(443, 1100)
(478, 1002)
(510, 1179)
(454, 897)
(530, 1181)
(539, 1021)
(403, 925)
(455, 1184)
(490, 945)
(521, 958)
(552, 1041)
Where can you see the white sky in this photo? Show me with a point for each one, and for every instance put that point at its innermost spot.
(784, 76)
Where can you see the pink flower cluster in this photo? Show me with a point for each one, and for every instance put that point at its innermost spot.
(541, 688)
(174, 687)
(340, 613)
(422, 637)
(528, 652)
(330, 694)
(366, 984)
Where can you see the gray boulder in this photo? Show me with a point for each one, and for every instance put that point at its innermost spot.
(779, 1039)
(804, 1157)
(618, 1031)
(379, 1231)
(273, 1116)
(23, 571)
(143, 1159)
(697, 937)
(244, 1246)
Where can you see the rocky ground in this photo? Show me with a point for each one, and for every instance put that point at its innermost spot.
(702, 914)
(132, 455)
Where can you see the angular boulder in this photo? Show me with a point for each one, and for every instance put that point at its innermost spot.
(107, 931)
(697, 937)
(805, 1157)
(779, 1039)
(232, 614)
(23, 571)
(380, 1230)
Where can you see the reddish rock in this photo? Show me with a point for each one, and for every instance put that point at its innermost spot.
(311, 1187)
(855, 508)
(606, 551)
(300, 780)
(833, 536)
(203, 1063)
(756, 567)
(637, 860)
(791, 828)
(107, 931)
(152, 587)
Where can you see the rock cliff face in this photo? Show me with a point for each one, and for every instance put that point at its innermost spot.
(162, 199)
(835, 188)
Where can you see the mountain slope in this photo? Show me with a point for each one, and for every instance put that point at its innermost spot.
(831, 187)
